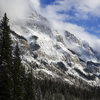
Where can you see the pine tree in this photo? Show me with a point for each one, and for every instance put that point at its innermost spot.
(18, 92)
(6, 48)
(5, 60)
(29, 95)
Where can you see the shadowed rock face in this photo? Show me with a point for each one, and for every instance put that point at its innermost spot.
(34, 47)
(61, 66)
(88, 77)
(93, 67)
(34, 38)
(70, 37)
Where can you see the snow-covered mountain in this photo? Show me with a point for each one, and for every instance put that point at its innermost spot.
(53, 54)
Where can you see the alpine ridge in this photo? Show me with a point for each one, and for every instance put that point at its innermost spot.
(55, 55)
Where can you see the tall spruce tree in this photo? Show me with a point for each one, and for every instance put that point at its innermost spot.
(5, 60)
(18, 71)
(29, 87)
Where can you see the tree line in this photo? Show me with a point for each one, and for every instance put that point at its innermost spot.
(17, 84)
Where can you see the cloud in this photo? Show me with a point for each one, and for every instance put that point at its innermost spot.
(89, 6)
(14, 8)
(18, 9)
(80, 6)
(81, 9)
(80, 32)
(57, 13)
(35, 4)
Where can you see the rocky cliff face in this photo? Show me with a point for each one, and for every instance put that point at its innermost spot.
(55, 55)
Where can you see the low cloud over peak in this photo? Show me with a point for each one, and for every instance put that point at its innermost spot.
(71, 15)
(63, 15)
(18, 9)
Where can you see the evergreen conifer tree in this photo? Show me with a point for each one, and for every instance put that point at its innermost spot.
(18, 92)
(29, 87)
(5, 60)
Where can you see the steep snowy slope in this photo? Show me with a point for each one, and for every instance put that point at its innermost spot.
(54, 55)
